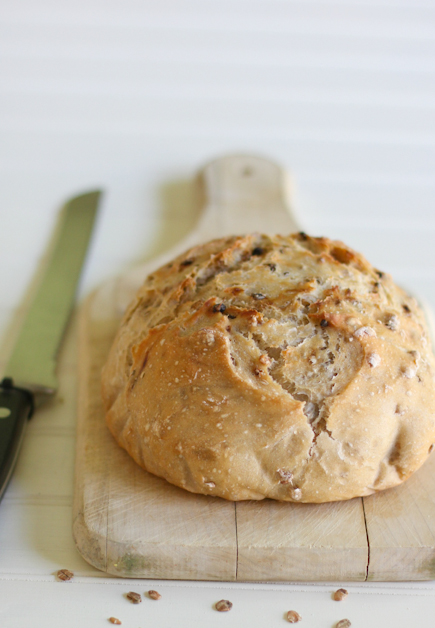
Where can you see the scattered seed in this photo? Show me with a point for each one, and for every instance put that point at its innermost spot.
(258, 296)
(340, 594)
(114, 620)
(134, 597)
(187, 262)
(293, 617)
(379, 274)
(232, 316)
(303, 235)
(272, 268)
(257, 251)
(224, 605)
(406, 308)
(219, 307)
(324, 323)
(65, 575)
(154, 595)
(343, 623)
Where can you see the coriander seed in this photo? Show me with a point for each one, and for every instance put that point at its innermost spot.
(224, 605)
(134, 597)
(340, 594)
(65, 575)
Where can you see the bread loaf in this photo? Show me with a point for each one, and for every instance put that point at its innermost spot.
(279, 367)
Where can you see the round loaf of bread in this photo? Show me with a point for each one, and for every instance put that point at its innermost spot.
(279, 367)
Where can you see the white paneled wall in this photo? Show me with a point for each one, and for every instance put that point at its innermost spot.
(135, 95)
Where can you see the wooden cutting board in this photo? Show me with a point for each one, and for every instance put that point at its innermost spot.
(132, 524)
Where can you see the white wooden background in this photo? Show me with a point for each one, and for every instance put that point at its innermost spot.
(134, 96)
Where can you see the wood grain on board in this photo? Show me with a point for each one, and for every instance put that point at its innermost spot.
(401, 529)
(132, 524)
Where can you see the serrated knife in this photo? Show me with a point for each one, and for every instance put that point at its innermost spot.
(29, 376)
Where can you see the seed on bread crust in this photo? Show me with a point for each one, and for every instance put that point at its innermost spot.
(296, 494)
(373, 359)
(257, 251)
(286, 477)
(392, 322)
(219, 307)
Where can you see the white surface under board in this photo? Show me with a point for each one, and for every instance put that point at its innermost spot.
(134, 97)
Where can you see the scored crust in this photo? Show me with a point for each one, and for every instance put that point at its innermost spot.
(279, 367)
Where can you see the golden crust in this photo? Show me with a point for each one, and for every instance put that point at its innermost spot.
(279, 367)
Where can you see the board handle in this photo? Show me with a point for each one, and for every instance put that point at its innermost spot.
(237, 194)
(244, 193)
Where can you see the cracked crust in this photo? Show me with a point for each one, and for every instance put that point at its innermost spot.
(279, 367)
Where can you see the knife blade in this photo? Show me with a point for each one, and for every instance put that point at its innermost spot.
(30, 372)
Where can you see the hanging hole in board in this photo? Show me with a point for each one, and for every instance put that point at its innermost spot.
(247, 171)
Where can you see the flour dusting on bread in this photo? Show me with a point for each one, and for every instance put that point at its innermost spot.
(284, 367)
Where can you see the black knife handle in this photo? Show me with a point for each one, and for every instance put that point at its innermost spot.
(16, 406)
